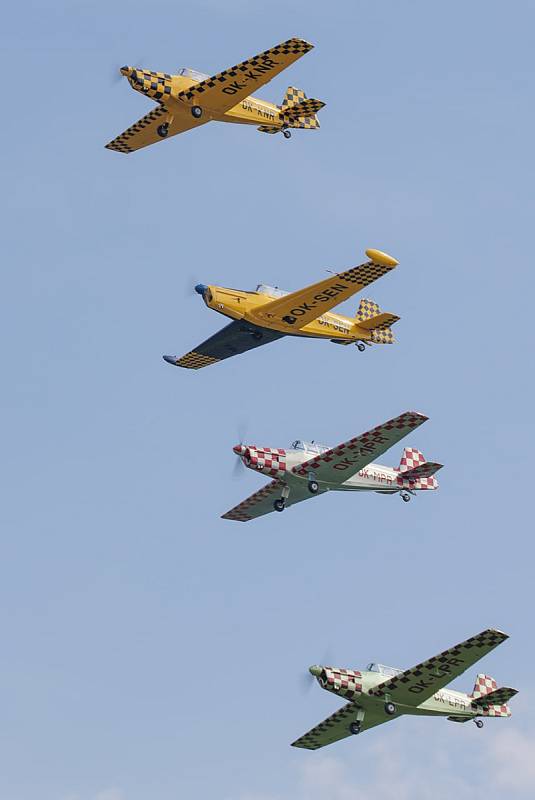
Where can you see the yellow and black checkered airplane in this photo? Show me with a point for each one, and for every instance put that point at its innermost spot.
(269, 313)
(190, 99)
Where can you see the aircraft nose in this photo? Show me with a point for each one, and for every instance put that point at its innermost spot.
(201, 288)
(239, 449)
(170, 360)
(125, 70)
(315, 670)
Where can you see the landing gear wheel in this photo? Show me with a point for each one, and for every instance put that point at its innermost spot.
(390, 709)
(361, 347)
(287, 134)
(355, 728)
(479, 723)
(163, 130)
(279, 504)
(405, 496)
(313, 487)
(196, 111)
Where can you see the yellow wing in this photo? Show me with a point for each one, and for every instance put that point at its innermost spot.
(145, 130)
(227, 88)
(297, 309)
(416, 685)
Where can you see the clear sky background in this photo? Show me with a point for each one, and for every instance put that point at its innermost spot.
(149, 648)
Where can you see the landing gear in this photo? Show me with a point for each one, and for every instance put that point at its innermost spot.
(196, 112)
(390, 709)
(478, 723)
(355, 727)
(163, 130)
(287, 134)
(279, 504)
(313, 487)
(405, 496)
(361, 346)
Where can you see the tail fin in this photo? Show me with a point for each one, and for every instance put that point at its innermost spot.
(298, 111)
(484, 685)
(370, 317)
(491, 699)
(415, 472)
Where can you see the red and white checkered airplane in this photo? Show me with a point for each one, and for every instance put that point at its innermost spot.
(308, 469)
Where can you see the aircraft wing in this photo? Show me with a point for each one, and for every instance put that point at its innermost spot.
(230, 341)
(299, 308)
(261, 502)
(229, 87)
(144, 131)
(416, 685)
(336, 727)
(337, 464)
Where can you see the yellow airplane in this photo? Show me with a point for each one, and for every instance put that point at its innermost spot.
(191, 98)
(268, 314)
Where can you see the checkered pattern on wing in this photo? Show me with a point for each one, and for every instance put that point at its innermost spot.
(486, 640)
(240, 513)
(120, 143)
(344, 682)
(365, 273)
(290, 47)
(367, 309)
(194, 360)
(267, 129)
(484, 685)
(365, 442)
(313, 739)
(271, 461)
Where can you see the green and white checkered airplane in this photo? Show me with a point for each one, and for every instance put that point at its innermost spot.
(379, 694)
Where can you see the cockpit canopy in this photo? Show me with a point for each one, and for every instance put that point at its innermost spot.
(310, 447)
(388, 672)
(271, 291)
(186, 72)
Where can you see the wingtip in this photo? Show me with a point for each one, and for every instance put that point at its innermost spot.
(378, 257)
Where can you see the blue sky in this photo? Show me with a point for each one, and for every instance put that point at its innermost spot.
(149, 647)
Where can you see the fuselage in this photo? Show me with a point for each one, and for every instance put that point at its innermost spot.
(248, 306)
(280, 463)
(165, 88)
(355, 685)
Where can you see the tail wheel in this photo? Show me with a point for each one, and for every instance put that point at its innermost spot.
(361, 347)
(279, 504)
(163, 130)
(479, 723)
(287, 134)
(405, 497)
(196, 112)
(390, 709)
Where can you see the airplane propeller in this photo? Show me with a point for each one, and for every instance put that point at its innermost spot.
(308, 678)
(239, 466)
(117, 75)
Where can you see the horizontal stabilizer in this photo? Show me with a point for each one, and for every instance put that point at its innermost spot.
(380, 321)
(498, 697)
(304, 108)
(424, 470)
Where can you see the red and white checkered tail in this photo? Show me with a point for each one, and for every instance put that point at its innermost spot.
(415, 472)
(484, 685)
